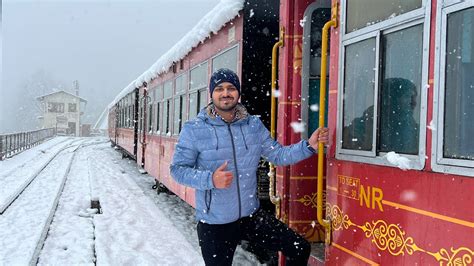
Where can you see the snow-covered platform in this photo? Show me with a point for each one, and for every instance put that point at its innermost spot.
(47, 218)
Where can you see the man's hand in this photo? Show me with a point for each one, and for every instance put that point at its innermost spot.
(222, 178)
(320, 135)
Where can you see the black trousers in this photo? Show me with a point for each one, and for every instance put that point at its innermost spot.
(219, 241)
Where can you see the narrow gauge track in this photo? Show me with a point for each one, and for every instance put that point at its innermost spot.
(8, 199)
(40, 197)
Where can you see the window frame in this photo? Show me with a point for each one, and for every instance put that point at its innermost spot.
(182, 102)
(197, 89)
(169, 106)
(150, 117)
(205, 91)
(438, 162)
(157, 104)
(223, 51)
(377, 30)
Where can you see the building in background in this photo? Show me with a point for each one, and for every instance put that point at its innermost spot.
(62, 110)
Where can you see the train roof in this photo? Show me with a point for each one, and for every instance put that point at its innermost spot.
(212, 22)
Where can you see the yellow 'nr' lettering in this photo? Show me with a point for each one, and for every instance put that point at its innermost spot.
(369, 199)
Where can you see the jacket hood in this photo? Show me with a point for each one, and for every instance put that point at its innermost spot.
(208, 115)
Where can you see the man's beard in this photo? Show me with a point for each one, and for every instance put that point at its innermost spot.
(225, 108)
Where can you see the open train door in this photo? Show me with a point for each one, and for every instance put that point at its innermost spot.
(299, 77)
(145, 125)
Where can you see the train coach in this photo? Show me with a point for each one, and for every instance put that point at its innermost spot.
(393, 82)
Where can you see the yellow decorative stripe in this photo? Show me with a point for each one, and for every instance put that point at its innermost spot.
(428, 213)
(302, 177)
(332, 91)
(302, 221)
(332, 188)
(297, 177)
(290, 103)
(366, 260)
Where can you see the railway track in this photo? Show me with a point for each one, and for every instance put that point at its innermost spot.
(14, 184)
(30, 213)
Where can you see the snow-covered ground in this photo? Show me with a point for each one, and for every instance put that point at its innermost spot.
(51, 221)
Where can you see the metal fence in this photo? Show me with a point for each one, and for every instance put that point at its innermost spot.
(11, 144)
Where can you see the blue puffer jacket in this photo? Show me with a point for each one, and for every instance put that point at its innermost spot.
(206, 142)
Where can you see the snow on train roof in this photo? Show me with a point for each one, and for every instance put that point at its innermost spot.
(213, 21)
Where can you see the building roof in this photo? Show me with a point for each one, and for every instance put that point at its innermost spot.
(102, 122)
(49, 94)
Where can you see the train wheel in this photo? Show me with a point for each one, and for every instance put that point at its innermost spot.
(161, 189)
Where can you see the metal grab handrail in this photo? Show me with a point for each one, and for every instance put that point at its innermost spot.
(276, 200)
(322, 110)
(11, 144)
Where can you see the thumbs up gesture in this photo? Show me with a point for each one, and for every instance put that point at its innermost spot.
(222, 178)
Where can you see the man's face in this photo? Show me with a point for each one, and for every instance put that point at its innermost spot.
(225, 96)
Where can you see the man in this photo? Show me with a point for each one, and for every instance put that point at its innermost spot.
(218, 154)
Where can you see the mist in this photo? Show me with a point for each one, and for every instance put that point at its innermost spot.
(103, 44)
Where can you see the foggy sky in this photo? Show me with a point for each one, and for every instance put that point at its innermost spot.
(103, 44)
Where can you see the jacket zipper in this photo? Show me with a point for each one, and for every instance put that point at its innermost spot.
(236, 169)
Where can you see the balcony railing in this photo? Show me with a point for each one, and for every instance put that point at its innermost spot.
(11, 144)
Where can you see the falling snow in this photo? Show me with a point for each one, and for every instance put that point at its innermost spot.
(298, 127)
(303, 21)
(276, 93)
(431, 126)
(314, 107)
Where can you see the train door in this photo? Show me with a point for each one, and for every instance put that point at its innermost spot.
(135, 97)
(316, 15)
(145, 123)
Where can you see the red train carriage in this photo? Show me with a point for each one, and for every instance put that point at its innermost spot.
(123, 123)
(399, 96)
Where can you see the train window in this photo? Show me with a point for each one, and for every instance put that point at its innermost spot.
(122, 115)
(193, 104)
(180, 84)
(168, 90)
(159, 93)
(178, 114)
(359, 92)
(150, 117)
(459, 86)
(129, 115)
(363, 13)
(158, 114)
(140, 127)
(198, 77)
(456, 91)
(166, 117)
(227, 59)
(202, 99)
(400, 91)
(382, 79)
